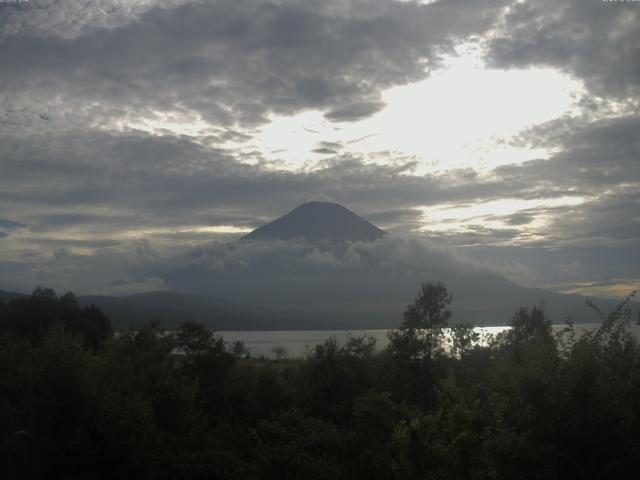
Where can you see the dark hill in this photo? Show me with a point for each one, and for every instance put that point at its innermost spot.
(171, 309)
(8, 296)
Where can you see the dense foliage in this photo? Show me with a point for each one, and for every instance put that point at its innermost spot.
(79, 402)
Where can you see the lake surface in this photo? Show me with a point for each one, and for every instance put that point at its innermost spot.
(295, 343)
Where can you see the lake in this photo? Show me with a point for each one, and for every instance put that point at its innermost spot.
(261, 343)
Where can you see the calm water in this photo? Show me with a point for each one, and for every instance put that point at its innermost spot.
(296, 342)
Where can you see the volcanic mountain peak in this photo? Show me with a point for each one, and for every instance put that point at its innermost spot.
(319, 221)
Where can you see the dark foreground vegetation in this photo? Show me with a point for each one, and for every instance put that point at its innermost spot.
(78, 402)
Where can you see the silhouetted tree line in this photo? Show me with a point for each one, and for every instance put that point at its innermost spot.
(77, 401)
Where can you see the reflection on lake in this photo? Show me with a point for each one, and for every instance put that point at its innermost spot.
(296, 342)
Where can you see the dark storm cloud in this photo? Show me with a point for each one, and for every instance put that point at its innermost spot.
(598, 160)
(519, 219)
(609, 220)
(598, 42)
(51, 244)
(402, 216)
(475, 235)
(174, 181)
(237, 61)
(117, 182)
(354, 111)
(9, 224)
(54, 221)
(594, 156)
(71, 18)
(324, 151)
(328, 148)
(69, 71)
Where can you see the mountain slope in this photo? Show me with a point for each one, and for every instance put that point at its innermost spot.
(373, 295)
(317, 222)
(368, 282)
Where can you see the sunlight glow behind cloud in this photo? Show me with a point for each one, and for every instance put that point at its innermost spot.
(462, 116)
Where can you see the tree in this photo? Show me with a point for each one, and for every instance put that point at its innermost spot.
(531, 325)
(206, 361)
(88, 321)
(279, 352)
(34, 316)
(196, 339)
(418, 344)
(421, 333)
(463, 340)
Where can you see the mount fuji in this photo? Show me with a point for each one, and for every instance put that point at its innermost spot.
(325, 265)
(319, 222)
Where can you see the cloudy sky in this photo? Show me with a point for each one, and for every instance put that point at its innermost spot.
(134, 130)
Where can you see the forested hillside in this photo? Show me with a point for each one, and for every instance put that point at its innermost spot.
(79, 402)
